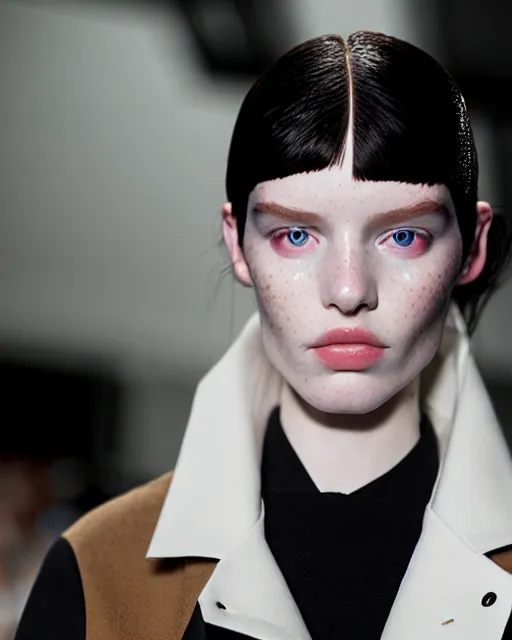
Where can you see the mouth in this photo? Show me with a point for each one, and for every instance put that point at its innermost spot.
(350, 349)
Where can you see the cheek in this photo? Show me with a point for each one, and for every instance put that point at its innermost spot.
(282, 293)
(426, 295)
(277, 303)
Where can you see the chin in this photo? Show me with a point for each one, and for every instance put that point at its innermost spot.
(350, 397)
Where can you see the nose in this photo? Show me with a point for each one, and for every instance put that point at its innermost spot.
(348, 281)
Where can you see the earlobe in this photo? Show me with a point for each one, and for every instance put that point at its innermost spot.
(230, 233)
(475, 262)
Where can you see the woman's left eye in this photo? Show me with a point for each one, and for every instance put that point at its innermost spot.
(404, 237)
(297, 237)
(415, 241)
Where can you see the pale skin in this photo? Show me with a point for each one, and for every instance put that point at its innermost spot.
(321, 252)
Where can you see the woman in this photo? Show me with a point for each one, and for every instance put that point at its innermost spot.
(342, 473)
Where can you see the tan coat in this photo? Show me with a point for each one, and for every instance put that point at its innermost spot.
(129, 597)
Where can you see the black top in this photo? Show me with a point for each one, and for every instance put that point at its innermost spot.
(343, 556)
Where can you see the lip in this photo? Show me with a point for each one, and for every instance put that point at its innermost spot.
(349, 349)
(348, 336)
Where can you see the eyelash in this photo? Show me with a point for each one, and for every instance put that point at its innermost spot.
(280, 234)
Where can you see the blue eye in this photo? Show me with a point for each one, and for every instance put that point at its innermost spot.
(298, 237)
(404, 237)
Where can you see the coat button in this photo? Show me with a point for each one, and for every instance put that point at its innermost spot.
(489, 599)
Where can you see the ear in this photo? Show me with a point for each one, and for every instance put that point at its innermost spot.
(475, 262)
(230, 233)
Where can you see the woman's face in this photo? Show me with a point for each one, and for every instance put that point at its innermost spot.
(324, 252)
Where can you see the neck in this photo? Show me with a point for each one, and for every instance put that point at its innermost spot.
(344, 452)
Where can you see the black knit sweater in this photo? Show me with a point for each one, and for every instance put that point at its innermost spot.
(344, 556)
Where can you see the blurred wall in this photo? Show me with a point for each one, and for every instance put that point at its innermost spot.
(113, 147)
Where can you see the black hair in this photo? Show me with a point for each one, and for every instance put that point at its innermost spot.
(410, 124)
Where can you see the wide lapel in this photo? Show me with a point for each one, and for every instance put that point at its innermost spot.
(444, 588)
(214, 499)
(248, 594)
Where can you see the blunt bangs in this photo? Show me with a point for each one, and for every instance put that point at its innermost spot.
(409, 119)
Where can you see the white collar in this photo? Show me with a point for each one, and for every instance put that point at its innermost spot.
(215, 494)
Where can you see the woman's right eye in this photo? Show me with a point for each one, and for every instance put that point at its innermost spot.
(293, 241)
(291, 238)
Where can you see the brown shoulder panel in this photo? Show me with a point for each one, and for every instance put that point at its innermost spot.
(128, 519)
(503, 559)
(129, 597)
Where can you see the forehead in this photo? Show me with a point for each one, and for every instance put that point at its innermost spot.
(333, 191)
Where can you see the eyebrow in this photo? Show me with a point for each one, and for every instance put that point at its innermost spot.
(287, 213)
(394, 216)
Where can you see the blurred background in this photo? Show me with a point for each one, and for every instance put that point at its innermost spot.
(115, 121)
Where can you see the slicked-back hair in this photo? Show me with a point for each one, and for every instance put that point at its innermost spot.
(409, 124)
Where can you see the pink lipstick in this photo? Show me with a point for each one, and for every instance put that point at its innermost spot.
(350, 349)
